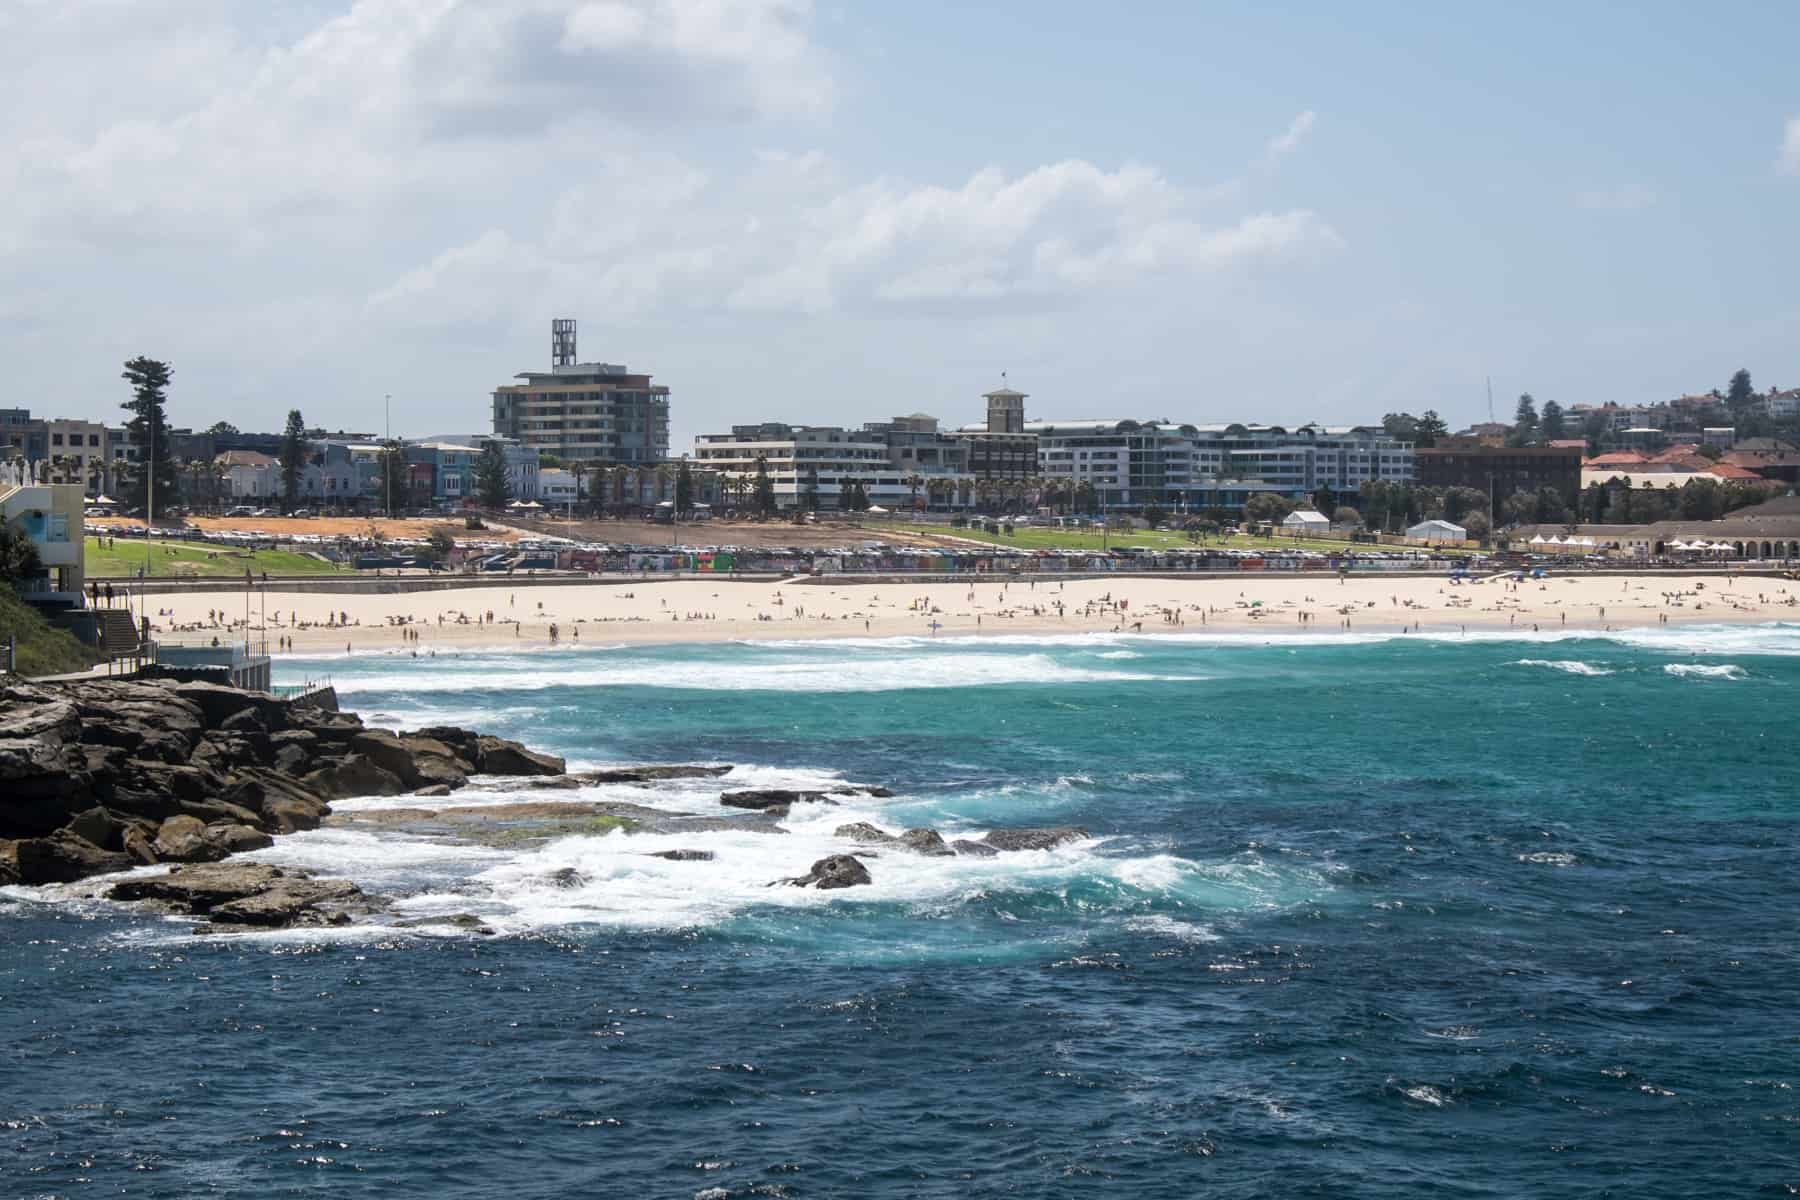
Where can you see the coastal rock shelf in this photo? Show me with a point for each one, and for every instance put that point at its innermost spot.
(104, 776)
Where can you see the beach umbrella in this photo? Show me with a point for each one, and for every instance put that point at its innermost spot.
(1537, 539)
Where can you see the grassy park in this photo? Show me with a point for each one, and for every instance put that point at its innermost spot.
(1033, 537)
(126, 557)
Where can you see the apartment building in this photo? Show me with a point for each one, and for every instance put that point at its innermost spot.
(76, 452)
(902, 463)
(584, 412)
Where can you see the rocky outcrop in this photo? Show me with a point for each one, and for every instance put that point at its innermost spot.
(920, 841)
(767, 798)
(838, 871)
(352, 775)
(490, 755)
(683, 855)
(63, 858)
(249, 894)
(1043, 838)
(182, 839)
(100, 776)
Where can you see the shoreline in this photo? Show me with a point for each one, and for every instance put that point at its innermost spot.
(700, 612)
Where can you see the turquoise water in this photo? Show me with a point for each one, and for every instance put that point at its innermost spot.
(1374, 917)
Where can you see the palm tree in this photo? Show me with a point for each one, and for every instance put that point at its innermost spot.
(578, 471)
(915, 481)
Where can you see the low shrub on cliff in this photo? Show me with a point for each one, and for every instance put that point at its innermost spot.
(43, 650)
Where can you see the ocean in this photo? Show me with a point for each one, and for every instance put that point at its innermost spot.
(1382, 916)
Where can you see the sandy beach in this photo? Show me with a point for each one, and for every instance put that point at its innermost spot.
(691, 610)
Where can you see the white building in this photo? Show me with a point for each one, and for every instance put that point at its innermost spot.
(900, 464)
(249, 475)
(1132, 463)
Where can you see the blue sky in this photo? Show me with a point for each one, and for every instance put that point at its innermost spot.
(833, 212)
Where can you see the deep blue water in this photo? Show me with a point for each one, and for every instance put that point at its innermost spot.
(1386, 918)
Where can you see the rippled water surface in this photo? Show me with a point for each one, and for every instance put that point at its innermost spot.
(1382, 917)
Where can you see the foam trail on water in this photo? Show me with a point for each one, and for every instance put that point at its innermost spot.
(1566, 665)
(893, 673)
(1705, 670)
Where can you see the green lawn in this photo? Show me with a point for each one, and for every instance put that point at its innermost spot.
(1034, 537)
(126, 557)
(43, 650)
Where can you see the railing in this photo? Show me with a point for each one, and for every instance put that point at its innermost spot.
(293, 691)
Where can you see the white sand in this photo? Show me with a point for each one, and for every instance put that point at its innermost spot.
(712, 610)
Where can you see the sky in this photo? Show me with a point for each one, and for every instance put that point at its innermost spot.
(832, 213)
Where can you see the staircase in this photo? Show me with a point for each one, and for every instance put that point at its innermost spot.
(120, 632)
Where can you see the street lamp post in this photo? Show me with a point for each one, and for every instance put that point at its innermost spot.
(387, 468)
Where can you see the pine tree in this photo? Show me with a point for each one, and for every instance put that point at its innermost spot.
(491, 484)
(1525, 421)
(1739, 393)
(1429, 428)
(293, 458)
(1551, 423)
(149, 426)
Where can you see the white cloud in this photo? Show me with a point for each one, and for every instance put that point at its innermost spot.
(1629, 197)
(1789, 162)
(320, 190)
(388, 103)
(1289, 140)
(1055, 233)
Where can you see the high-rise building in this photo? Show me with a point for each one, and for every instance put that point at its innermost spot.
(584, 412)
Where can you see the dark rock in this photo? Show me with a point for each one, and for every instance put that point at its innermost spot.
(683, 855)
(491, 755)
(435, 790)
(973, 849)
(101, 827)
(771, 798)
(290, 902)
(237, 839)
(43, 783)
(245, 720)
(292, 759)
(352, 776)
(650, 774)
(862, 831)
(497, 756)
(63, 858)
(432, 771)
(183, 839)
(278, 804)
(567, 877)
(9, 863)
(1034, 838)
(925, 841)
(200, 888)
(838, 871)
(465, 921)
(140, 844)
(218, 703)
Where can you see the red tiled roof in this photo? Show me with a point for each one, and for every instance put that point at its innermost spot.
(1617, 458)
(1729, 470)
